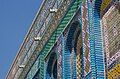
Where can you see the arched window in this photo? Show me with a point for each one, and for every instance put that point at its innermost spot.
(73, 49)
(51, 71)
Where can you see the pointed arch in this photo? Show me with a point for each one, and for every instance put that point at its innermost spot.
(74, 27)
(74, 49)
(51, 71)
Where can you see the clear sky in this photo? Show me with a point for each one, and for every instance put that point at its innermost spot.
(16, 16)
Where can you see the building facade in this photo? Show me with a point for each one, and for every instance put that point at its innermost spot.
(71, 39)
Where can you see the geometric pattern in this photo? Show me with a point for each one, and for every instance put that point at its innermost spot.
(111, 26)
(114, 73)
(86, 45)
(59, 50)
(78, 66)
(79, 56)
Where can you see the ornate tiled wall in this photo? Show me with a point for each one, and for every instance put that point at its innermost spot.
(80, 41)
(60, 51)
(86, 43)
(111, 34)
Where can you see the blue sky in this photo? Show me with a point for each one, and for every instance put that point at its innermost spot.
(16, 16)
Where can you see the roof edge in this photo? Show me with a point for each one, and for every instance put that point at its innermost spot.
(19, 51)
